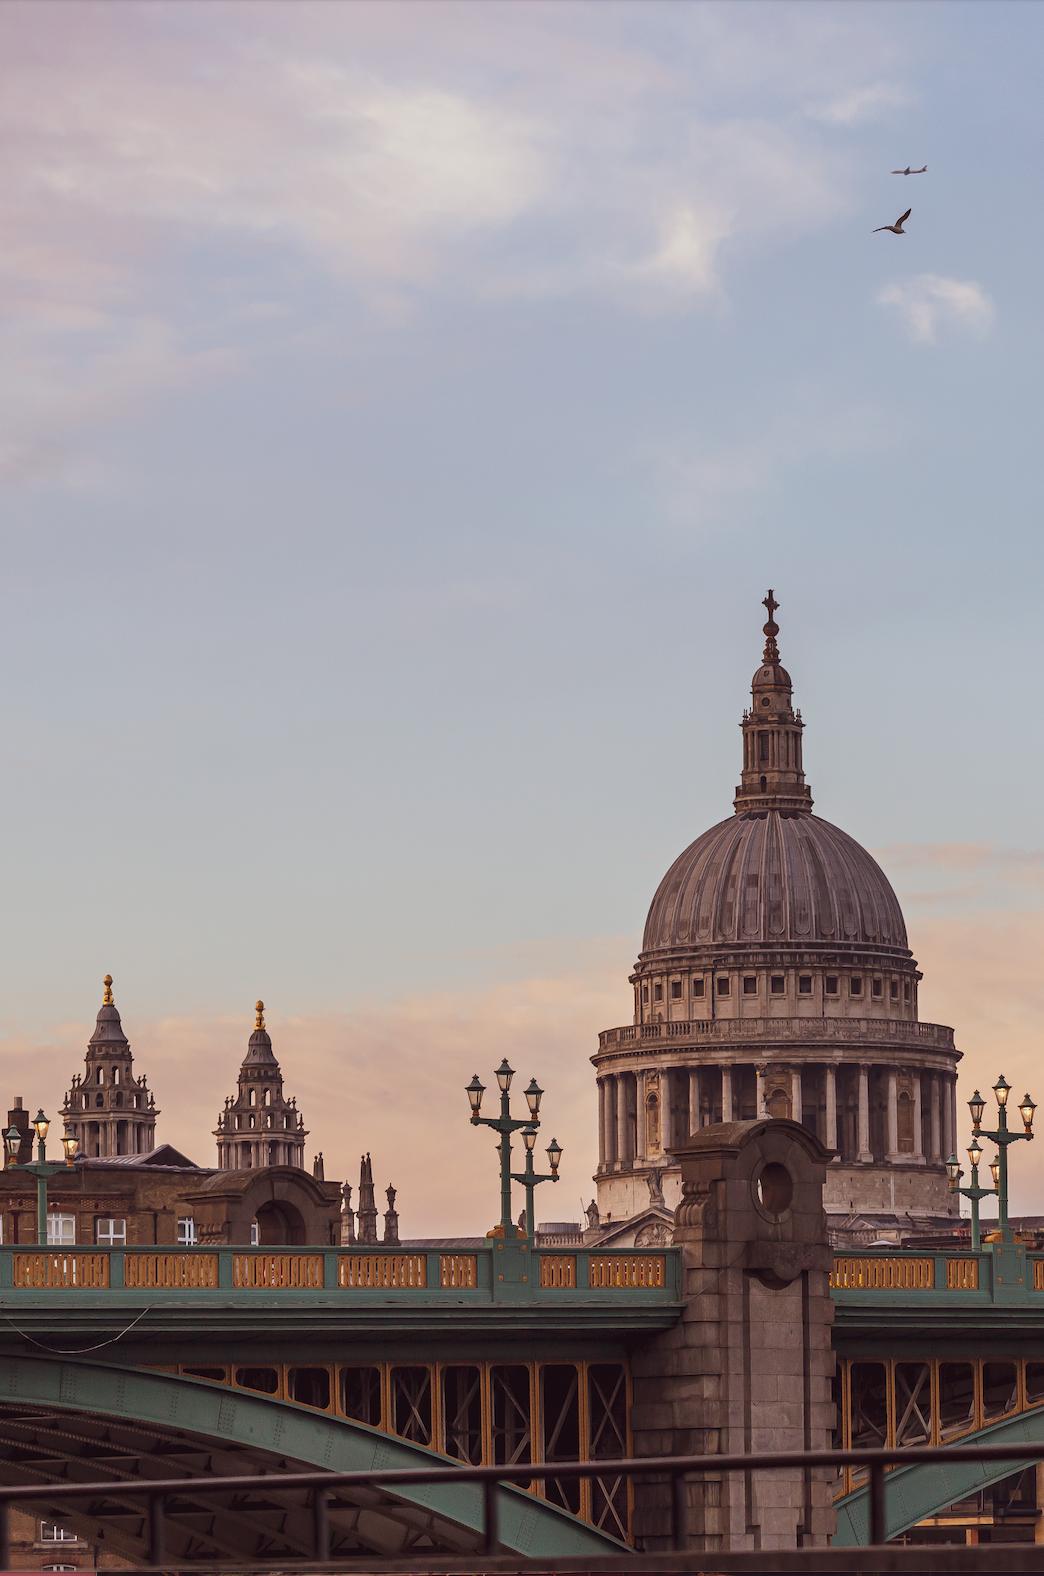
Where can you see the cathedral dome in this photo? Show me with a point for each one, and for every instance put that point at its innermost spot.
(772, 879)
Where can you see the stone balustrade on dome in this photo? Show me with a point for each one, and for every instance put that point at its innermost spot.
(740, 1031)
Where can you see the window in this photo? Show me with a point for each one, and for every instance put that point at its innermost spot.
(875, 988)
(750, 985)
(239, 1121)
(255, 1234)
(61, 1231)
(109, 1233)
(186, 1232)
(645, 993)
(657, 992)
(804, 984)
(855, 986)
(779, 985)
(906, 990)
(676, 990)
(250, 1121)
(99, 1076)
(252, 1098)
(50, 1532)
(831, 984)
(894, 990)
(99, 1100)
(723, 985)
(697, 987)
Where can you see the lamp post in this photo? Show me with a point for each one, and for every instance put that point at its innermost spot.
(529, 1178)
(41, 1167)
(1002, 1137)
(975, 1192)
(505, 1124)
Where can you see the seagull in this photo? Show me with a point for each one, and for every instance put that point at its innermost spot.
(897, 227)
(909, 171)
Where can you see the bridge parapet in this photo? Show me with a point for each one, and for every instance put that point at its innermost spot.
(495, 1271)
(1000, 1273)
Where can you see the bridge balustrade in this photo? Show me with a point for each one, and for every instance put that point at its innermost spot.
(638, 1276)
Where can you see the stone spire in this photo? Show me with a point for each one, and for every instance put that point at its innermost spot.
(367, 1212)
(259, 1126)
(772, 777)
(109, 1110)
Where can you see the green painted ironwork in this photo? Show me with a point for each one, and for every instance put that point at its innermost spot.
(527, 1524)
(927, 1489)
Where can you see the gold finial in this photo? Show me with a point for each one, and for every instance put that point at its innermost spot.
(260, 1022)
(107, 998)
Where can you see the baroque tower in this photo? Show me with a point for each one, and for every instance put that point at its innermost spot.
(107, 1109)
(259, 1127)
(775, 979)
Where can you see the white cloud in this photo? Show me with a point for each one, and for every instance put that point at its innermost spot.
(861, 104)
(930, 301)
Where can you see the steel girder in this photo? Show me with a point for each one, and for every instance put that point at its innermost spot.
(63, 1421)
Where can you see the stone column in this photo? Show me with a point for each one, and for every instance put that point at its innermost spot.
(601, 1121)
(639, 1116)
(954, 1128)
(726, 1095)
(830, 1082)
(949, 1126)
(795, 1093)
(918, 1148)
(892, 1144)
(666, 1114)
(623, 1148)
(865, 1155)
(759, 1072)
(610, 1119)
(747, 1367)
(936, 1113)
(695, 1113)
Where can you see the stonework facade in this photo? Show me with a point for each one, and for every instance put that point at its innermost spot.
(107, 1110)
(258, 1126)
(775, 979)
(748, 1367)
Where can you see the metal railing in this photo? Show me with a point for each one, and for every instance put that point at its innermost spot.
(676, 1470)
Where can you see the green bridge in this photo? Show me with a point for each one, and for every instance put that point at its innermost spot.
(133, 1364)
(130, 1364)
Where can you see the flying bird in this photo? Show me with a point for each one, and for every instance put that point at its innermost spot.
(897, 227)
(909, 171)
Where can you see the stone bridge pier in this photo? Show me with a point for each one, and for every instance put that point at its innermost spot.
(748, 1367)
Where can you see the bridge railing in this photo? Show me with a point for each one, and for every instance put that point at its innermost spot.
(476, 1274)
(999, 1272)
(671, 1474)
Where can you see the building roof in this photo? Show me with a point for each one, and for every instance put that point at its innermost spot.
(108, 1031)
(163, 1158)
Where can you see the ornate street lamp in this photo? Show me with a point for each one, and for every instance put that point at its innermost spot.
(999, 1167)
(529, 1178)
(41, 1167)
(975, 1192)
(505, 1124)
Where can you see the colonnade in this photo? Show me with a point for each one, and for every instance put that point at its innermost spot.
(634, 1124)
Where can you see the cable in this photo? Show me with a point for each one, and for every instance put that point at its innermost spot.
(73, 1351)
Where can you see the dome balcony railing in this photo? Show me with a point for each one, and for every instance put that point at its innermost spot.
(891, 1031)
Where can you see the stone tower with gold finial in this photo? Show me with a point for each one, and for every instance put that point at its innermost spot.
(259, 1127)
(109, 1110)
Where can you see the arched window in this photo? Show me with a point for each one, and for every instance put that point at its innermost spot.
(99, 1076)
(266, 1098)
(251, 1100)
(652, 1122)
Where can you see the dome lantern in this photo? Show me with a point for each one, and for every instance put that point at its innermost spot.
(772, 776)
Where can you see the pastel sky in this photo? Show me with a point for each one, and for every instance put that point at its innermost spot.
(403, 410)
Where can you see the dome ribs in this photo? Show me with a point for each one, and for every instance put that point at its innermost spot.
(774, 879)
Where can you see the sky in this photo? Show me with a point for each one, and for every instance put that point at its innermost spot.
(403, 410)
